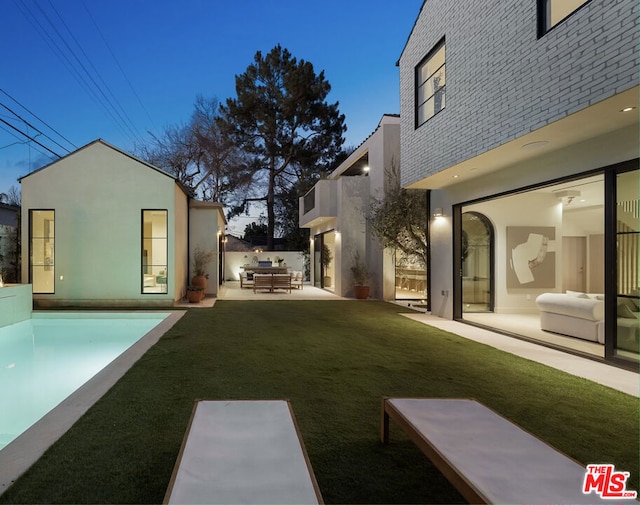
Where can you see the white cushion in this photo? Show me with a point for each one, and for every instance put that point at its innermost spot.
(577, 294)
(559, 303)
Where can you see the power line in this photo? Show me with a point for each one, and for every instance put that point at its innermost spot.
(20, 141)
(30, 125)
(39, 119)
(84, 68)
(35, 23)
(122, 114)
(76, 67)
(116, 60)
(29, 137)
(24, 142)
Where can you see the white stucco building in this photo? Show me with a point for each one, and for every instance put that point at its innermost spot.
(520, 119)
(101, 227)
(335, 210)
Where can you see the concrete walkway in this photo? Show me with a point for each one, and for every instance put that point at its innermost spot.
(623, 380)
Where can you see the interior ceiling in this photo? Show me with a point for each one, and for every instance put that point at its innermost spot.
(593, 121)
(357, 167)
(583, 193)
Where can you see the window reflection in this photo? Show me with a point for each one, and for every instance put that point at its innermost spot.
(628, 275)
(555, 11)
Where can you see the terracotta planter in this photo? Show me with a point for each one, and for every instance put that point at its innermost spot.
(200, 281)
(361, 292)
(194, 295)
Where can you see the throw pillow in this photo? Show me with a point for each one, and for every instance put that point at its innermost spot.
(624, 311)
(629, 304)
(577, 294)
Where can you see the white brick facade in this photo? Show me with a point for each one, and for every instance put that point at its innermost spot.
(503, 82)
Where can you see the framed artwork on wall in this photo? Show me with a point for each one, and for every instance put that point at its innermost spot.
(531, 257)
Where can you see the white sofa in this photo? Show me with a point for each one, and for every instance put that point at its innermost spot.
(575, 314)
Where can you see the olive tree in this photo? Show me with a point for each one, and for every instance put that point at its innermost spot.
(399, 218)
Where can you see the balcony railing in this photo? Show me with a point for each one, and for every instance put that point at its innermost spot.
(310, 200)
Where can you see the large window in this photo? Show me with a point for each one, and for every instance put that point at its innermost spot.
(627, 271)
(41, 250)
(323, 260)
(552, 12)
(430, 85)
(477, 262)
(154, 251)
(411, 277)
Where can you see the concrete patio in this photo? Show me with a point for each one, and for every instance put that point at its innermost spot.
(231, 290)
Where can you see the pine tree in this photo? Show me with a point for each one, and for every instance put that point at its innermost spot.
(283, 123)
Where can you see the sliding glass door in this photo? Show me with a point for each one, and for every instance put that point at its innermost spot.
(627, 275)
(477, 263)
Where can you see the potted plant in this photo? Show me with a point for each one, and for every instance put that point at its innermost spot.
(361, 276)
(201, 259)
(194, 294)
(326, 259)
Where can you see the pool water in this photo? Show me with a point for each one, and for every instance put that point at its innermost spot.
(45, 359)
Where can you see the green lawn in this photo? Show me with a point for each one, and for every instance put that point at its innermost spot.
(334, 360)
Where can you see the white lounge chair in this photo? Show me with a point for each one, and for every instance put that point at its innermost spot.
(485, 456)
(243, 451)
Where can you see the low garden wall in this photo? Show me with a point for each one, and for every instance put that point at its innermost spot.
(16, 303)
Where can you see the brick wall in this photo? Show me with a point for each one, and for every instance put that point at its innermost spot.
(504, 82)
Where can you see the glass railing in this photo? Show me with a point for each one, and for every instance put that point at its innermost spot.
(310, 200)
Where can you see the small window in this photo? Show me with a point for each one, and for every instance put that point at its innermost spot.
(552, 12)
(430, 85)
(154, 251)
(42, 250)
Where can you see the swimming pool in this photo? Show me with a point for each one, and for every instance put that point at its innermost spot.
(45, 359)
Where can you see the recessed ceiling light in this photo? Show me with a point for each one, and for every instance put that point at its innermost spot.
(456, 176)
(627, 109)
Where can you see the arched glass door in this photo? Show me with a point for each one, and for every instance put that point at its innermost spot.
(477, 263)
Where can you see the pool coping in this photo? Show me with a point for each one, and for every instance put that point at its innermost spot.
(17, 456)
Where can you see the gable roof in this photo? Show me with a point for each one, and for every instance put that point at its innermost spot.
(118, 150)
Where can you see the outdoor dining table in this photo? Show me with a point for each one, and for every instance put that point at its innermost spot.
(265, 270)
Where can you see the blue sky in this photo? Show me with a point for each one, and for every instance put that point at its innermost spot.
(167, 52)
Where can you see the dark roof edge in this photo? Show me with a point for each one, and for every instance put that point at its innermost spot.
(410, 33)
(117, 149)
(374, 131)
(9, 206)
